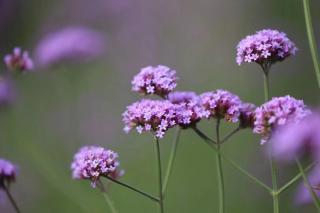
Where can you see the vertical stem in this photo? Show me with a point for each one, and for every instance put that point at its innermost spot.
(109, 202)
(159, 175)
(12, 201)
(219, 170)
(171, 160)
(308, 186)
(275, 196)
(311, 38)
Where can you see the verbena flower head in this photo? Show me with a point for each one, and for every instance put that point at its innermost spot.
(19, 60)
(278, 112)
(247, 115)
(296, 139)
(70, 44)
(93, 162)
(303, 195)
(156, 116)
(265, 46)
(188, 108)
(221, 104)
(8, 172)
(159, 80)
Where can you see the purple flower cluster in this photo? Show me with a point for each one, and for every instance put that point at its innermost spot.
(265, 46)
(93, 162)
(72, 43)
(8, 172)
(156, 116)
(278, 112)
(159, 80)
(18, 60)
(221, 104)
(188, 108)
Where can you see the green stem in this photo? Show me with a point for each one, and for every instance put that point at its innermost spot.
(227, 137)
(171, 160)
(220, 171)
(266, 84)
(12, 201)
(311, 38)
(158, 154)
(232, 163)
(109, 202)
(133, 189)
(308, 186)
(294, 179)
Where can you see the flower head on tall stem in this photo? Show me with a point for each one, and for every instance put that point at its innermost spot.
(265, 47)
(221, 104)
(159, 80)
(8, 173)
(93, 162)
(296, 139)
(19, 60)
(156, 116)
(278, 112)
(188, 108)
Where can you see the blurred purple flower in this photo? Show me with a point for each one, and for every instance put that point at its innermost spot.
(150, 115)
(221, 104)
(278, 112)
(8, 172)
(265, 46)
(72, 43)
(159, 80)
(303, 195)
(296, 139)
(6, 91)
(19, 60)
(93, 162)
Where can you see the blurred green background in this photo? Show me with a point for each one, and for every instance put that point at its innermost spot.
(59, 110)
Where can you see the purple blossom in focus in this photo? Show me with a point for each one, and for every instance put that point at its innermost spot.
(8, 172)
(188, 108)
(221, 104)
(93, 162)
(18, 60)
(159, 80)
(247, 115)
(150, 115)
(265, 46)
(72, 43)
(278, 112)
(303, 195)
(295, 139)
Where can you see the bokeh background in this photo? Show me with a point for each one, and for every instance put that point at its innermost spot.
(60, 109)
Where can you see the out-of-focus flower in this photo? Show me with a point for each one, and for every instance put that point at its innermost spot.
(303, 195)
(278, 112)
(93, 162)
(6, 91)
(265, 46)
(19, 60)
(247, 115)
(8, 173)
(150, 115)
(295, 139)
(188, 108)
(159, 80)
(221, 104)
(69, 44)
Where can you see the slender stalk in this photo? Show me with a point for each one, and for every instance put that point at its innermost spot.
(159, 175)
(308, 186)
(311, 38)
(10, 197)
(171, 160)
(109, 202)
(220, 171)
(134, 189)
(275, 196)
(234, 164)
(227, 137)
(294, 179)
